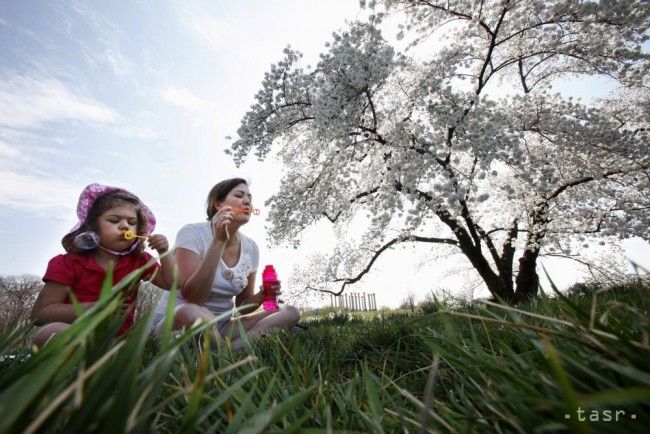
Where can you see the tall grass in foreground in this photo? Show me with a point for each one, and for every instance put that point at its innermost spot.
(478, 368)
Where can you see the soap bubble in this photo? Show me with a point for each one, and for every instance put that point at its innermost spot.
(86, 241)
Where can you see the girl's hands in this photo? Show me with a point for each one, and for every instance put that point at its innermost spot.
(158, 242)
(220, 222)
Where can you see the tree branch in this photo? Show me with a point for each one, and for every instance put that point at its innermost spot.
(358, 277)
(382, 249)
(488, 57)
(353, 200)
(522, 76)
(584, 180)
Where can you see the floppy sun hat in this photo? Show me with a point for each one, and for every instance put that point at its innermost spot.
(90, 194)
(90, 240)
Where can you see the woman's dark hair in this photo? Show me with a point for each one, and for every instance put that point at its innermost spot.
(101, 204)
(219, 192)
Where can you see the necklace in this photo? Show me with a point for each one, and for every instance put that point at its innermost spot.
(229, 272)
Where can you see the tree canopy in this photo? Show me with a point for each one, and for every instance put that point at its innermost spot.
(464, 143)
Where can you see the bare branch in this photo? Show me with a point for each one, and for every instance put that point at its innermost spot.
(351, 201)
(382, 249)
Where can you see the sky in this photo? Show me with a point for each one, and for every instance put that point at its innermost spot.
(141, 95)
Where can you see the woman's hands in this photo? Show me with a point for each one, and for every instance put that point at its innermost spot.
(250, 297)
(275, 290)
(220, 222)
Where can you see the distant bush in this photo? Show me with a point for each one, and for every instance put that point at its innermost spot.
(408, 302)
(318, 312)
(17, 297)
(428, 306)
(590, 287)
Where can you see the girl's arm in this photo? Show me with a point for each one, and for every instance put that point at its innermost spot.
(165, 278)
(50, 305)
(249, 296)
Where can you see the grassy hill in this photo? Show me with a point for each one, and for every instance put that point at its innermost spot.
(566, 364)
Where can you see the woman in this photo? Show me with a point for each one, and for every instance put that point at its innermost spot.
(217, 266)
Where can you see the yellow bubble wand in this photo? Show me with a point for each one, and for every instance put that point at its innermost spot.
(131, 235)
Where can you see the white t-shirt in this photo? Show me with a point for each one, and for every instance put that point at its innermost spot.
(228, 282)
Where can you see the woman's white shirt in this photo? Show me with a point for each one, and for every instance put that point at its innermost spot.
(228, 281)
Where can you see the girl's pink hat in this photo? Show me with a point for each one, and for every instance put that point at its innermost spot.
(90, 194)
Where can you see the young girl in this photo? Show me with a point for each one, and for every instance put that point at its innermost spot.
(105, 214)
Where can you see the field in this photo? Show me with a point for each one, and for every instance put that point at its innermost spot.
(562, 364)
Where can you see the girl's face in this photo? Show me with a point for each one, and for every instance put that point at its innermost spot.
(239, 197)
(112, 224)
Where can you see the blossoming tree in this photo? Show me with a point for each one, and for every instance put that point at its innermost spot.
(464, 144)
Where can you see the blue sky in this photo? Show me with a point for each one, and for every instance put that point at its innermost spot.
(134, 94)
(140, 94)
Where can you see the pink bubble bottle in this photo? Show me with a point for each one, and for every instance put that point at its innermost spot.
(269, 279)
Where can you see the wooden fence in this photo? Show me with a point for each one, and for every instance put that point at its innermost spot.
(356, 301)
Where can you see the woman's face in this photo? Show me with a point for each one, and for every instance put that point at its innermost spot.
(239, 197)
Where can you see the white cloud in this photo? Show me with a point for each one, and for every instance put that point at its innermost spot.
(207, 27)
(108, 36)
(28, 102)
(131, 131)
(31, 155)
(117, 61)
(44, 194)
(183, 98)
(8, 152)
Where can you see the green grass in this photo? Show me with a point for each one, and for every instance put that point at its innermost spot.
(474, 368)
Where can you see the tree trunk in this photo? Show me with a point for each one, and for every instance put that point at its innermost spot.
(527, 279)
(495, 284)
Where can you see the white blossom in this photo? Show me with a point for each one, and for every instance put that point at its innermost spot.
(423, 147)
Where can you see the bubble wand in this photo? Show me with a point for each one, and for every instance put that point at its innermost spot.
(131, 235)
(253, 211)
